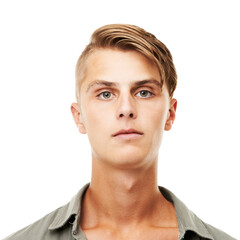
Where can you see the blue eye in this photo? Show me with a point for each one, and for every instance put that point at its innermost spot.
(144, 94)
(105, 95)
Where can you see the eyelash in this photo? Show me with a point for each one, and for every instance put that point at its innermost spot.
(100, 95)
(151, 94)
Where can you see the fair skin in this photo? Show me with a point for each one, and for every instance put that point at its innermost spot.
(122, 92)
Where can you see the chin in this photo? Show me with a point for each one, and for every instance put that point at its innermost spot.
(129, 160)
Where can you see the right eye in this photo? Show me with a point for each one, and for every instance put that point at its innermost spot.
(105, 95)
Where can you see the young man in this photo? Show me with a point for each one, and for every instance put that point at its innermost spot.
(125, 80)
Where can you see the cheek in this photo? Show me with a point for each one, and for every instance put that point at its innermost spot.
(156, 122)
(157, 114)
(97, 121)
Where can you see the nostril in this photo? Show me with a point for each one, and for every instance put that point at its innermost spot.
(121, 115)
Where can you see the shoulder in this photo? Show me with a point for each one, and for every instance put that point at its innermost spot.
(57, 225)
(216, 233)
(37, 230)
(190, 224)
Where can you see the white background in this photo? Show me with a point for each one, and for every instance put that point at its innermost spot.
(45, 161)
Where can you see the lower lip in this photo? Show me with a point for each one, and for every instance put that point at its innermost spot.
(129, 136)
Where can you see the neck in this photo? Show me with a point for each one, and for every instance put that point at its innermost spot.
(121, 197)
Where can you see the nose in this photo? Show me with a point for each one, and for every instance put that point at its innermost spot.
(126, 108)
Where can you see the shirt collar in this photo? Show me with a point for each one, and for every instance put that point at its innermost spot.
(72, 209)
(187, 220)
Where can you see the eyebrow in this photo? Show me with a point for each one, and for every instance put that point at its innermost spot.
(147, 81)
(136, 84)
(102, 83)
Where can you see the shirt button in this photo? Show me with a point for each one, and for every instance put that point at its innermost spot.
(74, 232)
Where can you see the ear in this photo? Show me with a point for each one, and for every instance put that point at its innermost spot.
(78, 118)
(171, 114)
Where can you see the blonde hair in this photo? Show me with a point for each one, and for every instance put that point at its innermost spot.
(130, 37)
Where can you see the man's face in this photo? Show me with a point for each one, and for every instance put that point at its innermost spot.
(123, 108)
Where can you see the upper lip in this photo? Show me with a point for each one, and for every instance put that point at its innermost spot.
(127, 131)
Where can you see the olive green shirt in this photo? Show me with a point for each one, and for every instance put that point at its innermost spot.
(62, 224)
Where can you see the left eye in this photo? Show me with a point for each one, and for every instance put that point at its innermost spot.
(144, 94)
(105, 95)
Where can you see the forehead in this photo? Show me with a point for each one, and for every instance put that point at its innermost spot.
(120, 66)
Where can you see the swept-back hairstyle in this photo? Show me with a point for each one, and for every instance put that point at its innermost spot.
(129, 37)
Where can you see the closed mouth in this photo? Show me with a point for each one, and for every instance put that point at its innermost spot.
(126, 132)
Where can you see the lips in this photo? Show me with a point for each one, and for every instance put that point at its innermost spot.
(126, 132)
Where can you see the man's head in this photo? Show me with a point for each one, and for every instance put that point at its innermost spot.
(124, 95)
(129, 37)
